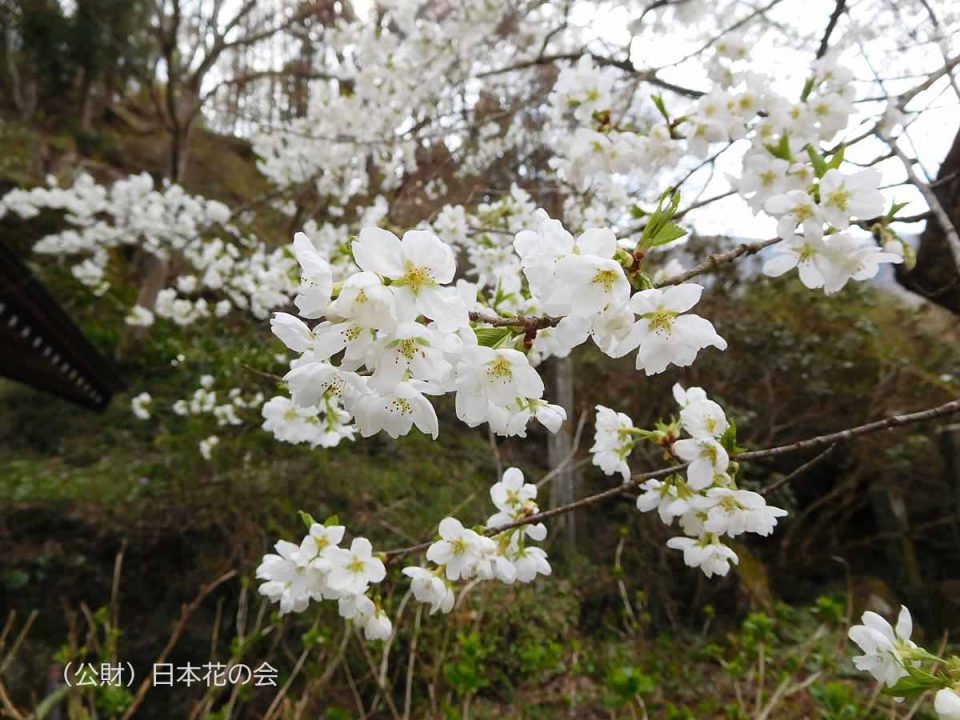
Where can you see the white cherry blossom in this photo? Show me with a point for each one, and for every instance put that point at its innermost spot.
(352, 571)
(946, 703)
(883, 646)
(843, 197)
(708, 554)
(316, 280)
(663, 333)
(429, 588)
(707, 458)
(396, 409)
(613, 442)
(417, 266)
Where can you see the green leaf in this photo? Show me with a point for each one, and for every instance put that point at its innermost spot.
(915, 683)
(331, 521)
(307, 518)
(781, 149)
(668, 233)
(819, 164)
(661, 106)
(895, 208)
(491, 337)
(729, 440)
(659, 229)
(837, 158)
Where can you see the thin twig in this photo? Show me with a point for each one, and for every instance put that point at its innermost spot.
(186, 611)
(382, 687)
(831, 25)
(943, 218)
(8, 707)
(278, 698)
(717, 259)
(20, 638)
(411, 661)
(787, 479)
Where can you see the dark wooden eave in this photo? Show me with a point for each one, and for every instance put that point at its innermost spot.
(42, 347)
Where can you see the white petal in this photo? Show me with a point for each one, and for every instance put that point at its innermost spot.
(378, 250)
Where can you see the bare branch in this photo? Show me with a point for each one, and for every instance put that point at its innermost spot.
(943, 218)
(831, 24)
(648, 76)
(714, 261)
(185, 613)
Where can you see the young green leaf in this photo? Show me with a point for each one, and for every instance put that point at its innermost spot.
(819, 164)
(491, 337)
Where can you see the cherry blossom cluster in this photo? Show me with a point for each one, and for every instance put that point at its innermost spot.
(824, 254)
(583, 281)
(898, 662)
(322, 425)
(398, 329)
(405, 58)
(785, 174)
(216, 257)
(463, 553)
(783, 171)
(399, 320)
(320, 569)
(705, 499)
(204, 401)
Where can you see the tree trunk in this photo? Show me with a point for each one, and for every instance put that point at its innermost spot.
(935, 276)
(12, 71)
(180, 150)
(152, 273)
(893, 524)
(86, 100)
(565, 484)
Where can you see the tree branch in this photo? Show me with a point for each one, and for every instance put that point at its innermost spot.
(829, 439)
(714, 261)
(648, 76)
(943, 218)
(831, 24)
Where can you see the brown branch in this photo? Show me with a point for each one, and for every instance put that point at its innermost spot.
(887, 423)
(800, 471)
(529, 324)
(648, 76)
(829, 439)
(831, 24)
(714, 261)
(950, 232)
(903, 99)
(918, 217)
(9, 709)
